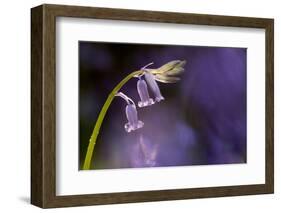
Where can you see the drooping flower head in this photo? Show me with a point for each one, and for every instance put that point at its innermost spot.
(168, 73)
(143, 93)
(150, 79)
(165, 74)
(131, 113)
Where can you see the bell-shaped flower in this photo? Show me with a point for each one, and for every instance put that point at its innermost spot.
(131, 113)
(150, 79)
(143, 93)
(168, 73)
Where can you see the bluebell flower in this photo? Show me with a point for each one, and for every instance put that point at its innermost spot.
(165, 74)
(150, 79)
(143, 93)
(168, 73)
(131, 113)
(132, 116)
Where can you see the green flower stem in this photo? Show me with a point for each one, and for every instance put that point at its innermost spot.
(93, 139)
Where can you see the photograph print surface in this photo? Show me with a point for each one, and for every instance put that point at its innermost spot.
(149, 105)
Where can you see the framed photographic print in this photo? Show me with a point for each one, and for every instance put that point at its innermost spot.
(135, 106)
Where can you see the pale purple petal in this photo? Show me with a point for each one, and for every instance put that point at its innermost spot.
(153, 86)
(143, 93)
(132, 116)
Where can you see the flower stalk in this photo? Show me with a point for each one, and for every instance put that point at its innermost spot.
(93, 139)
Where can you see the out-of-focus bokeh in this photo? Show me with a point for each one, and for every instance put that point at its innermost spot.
(202, 120)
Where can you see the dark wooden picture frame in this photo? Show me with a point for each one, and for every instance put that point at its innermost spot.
(43, 105)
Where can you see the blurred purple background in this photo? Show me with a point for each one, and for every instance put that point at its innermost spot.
(202, 120)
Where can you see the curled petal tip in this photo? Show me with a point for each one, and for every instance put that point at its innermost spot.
(146, 103)
(129, 127)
